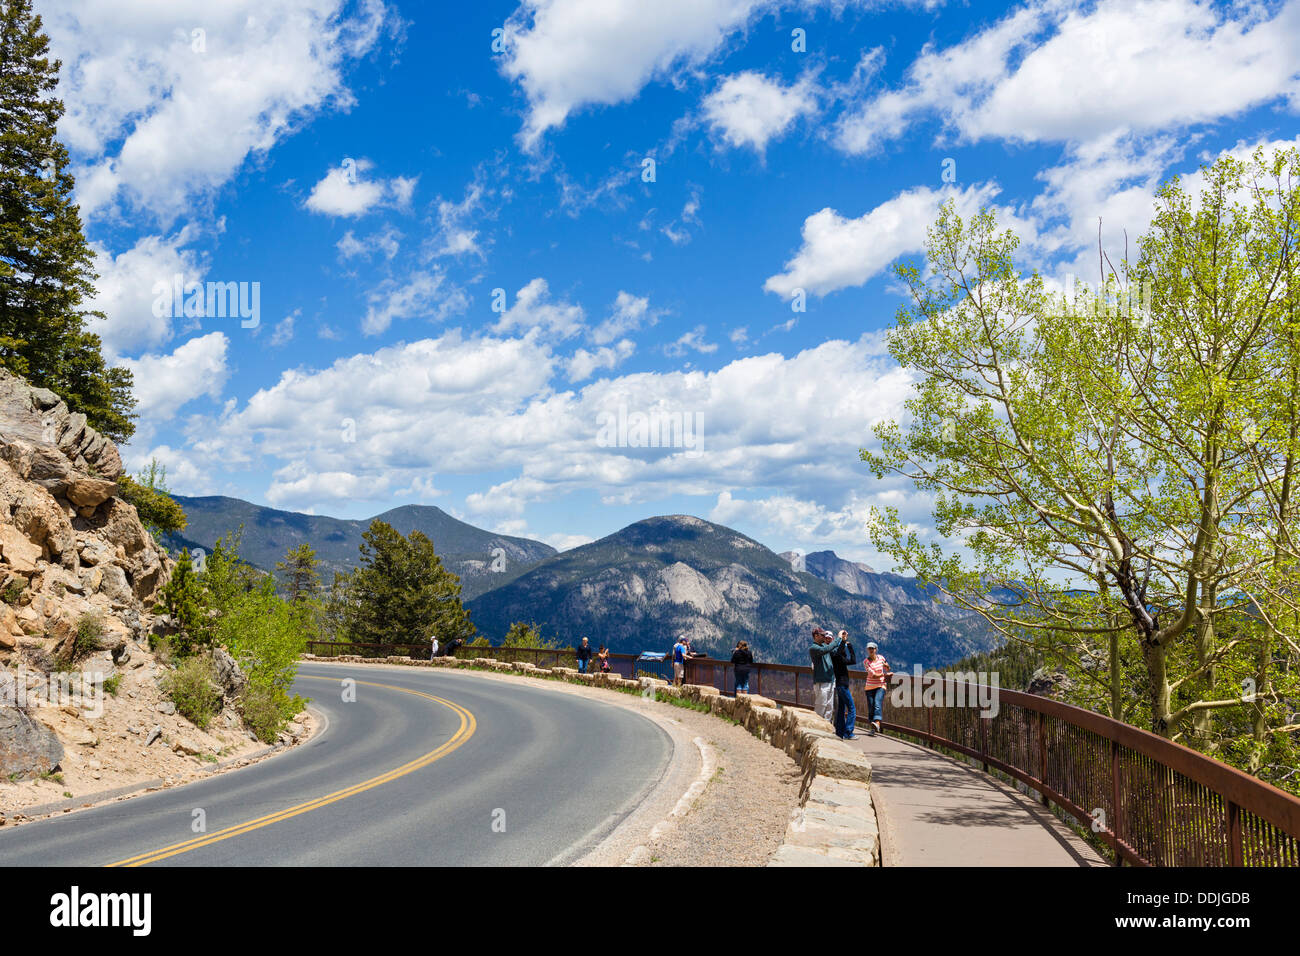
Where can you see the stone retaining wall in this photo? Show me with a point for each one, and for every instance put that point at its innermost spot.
(835, 824)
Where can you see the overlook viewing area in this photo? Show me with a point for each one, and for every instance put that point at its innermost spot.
(1014, 779)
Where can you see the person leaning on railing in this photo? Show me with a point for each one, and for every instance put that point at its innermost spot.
(878, 674)
(742, 660)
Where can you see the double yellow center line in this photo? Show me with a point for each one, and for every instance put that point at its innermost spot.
(462, 734)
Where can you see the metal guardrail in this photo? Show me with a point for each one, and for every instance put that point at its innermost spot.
(1152, 801)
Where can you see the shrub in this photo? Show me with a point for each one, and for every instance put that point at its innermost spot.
(193, 688)
(87, 639)
(113, 684)
(13, 592)
(267, 709)
(266, 635)
(148, 491)
(163, 647)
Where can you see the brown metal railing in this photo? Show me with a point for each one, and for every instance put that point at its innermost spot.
(1152, 801)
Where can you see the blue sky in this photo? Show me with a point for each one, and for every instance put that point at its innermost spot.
(378, 170)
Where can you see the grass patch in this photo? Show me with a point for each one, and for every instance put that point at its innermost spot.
(113, 684)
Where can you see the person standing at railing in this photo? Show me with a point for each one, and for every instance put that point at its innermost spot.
(821, 649)
(878, 674)
(603, 657)
(742, 660)
(584, 656)
(846, 712)
(680, 650)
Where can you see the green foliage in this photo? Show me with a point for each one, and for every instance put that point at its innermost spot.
(401, 593)
(182, 598)
(226, 582)
(88, 638)
(148, 491)
(113, 684)
(525, 635)
(1121, 469)
(298, 570)
(13, 592)
(230, 604)
(193, 688)
(45, 262)
(334, 610)
(263, 713)
(266, 635)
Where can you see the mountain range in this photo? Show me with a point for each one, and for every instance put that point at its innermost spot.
(481, 558)
(641, 587)
(636, 589)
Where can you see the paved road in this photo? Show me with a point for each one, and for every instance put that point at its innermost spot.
(424, 768)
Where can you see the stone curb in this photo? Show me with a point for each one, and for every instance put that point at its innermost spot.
(835, 824)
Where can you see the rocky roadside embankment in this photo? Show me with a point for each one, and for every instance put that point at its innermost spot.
(835, 823)
(81, 705)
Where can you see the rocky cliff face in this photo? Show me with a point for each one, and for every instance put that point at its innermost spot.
(77, 716)
(68, 546)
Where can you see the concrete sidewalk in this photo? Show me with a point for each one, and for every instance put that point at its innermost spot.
(936, 811)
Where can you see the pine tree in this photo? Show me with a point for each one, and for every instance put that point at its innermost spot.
(401, 592)
(182, 599)
(299, 570)
(45, 263)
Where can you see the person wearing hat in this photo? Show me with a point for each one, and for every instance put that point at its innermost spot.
(878, 674)
(823, 668)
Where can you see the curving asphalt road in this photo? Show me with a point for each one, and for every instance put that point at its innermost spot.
(425, 768)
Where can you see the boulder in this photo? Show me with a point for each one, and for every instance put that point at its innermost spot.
(17, 550)
(230, 677)
(27, 746)
(90, 492)
(113, 585)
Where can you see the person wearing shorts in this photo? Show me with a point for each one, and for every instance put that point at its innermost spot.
(679, 661)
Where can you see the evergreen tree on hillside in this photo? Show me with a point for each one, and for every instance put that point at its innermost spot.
(298, 570)
(182, 599)
(45, 263)
(401, 592)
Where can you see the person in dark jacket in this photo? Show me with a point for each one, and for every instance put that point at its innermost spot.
(742, 660)
(846, 713)
(584, 656)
